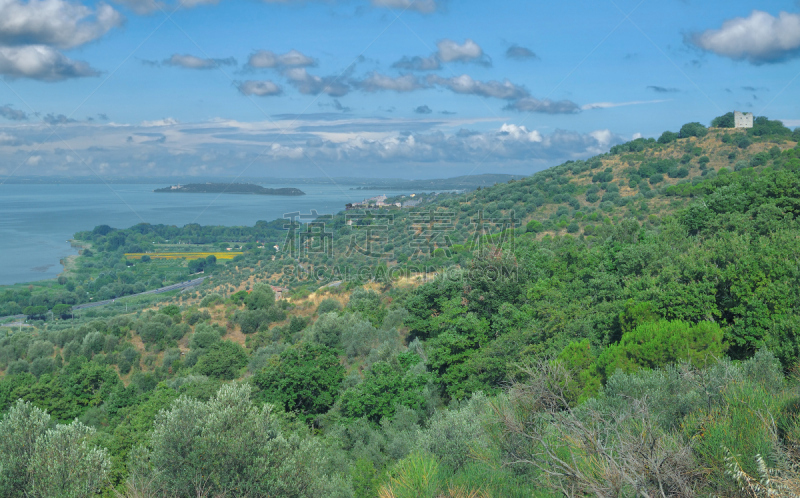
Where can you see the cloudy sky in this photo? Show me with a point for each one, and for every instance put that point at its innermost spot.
(392, 88)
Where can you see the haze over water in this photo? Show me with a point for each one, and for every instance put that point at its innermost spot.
(36, 221)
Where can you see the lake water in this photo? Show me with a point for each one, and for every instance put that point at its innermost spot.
(36, 221)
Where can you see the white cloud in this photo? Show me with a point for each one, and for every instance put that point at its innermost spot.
(310, 84)
(423, 6)
(192, 62)
(450, 51)
(259, 88)
(42, 63)
(33, 160)
(9, 112)
(141, 7)
(520, 133)
(407, 63)
(546, 106)
(464, 84)
(760, 38)
(55, 23)
(268, 59)
(31, 32)
(609, 105)
(376, 82)
(791, 123)
(160, 122)
(341, 145)
(6, 139)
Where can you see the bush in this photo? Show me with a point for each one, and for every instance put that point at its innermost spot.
(534, 226)
(453, 435)
(328, 305)
(656, 344)
(668, 137)
(744, 142)
(693, 130)
(724, 121)
(211, 300)
(304, 380)
(223, 360)
(261, 298)
(226, 446)
(37, 461)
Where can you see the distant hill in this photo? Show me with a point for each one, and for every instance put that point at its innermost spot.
(468, 182)
(228, 188)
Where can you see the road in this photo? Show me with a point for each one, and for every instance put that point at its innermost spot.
(179, 286)
(182, 285)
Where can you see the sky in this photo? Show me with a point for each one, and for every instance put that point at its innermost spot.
(377, 88)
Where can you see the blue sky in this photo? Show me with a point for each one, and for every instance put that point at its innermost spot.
(396, 88)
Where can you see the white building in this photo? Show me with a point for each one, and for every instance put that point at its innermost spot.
(742, 119)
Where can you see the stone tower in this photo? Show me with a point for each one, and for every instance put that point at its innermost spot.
(742, 119)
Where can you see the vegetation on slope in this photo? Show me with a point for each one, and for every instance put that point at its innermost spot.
(634, 334)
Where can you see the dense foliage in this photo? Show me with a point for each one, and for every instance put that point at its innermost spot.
(628, 327)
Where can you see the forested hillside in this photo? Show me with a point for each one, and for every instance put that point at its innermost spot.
(621, 326)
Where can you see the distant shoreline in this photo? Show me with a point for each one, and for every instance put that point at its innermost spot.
(229, 188)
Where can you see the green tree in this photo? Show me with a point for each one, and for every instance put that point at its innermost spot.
(668, 137)
(693, 130)
(223, 360)
(261, 298)
(387, 386)
(724, 121)
(39, 462)
(225, 446)
(62, 310)
(305, 380)
(656, 344)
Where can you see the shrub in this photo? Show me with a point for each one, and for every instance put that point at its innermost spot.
(37, 461)
(668, 137)
(304, 380)
(693, 130)
(724, 121)
(261, 298)
(211, 300)
(223, 360)
(452, 435)
(328, 305)
(656, 344)
(226, 446)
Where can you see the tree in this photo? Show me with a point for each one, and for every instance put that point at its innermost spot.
(62, 310)
(693, 130)
(261, 298)
(656, 344)
(35, 312)
(225, 446)
(387, 386)
(305, 380)
(39, 462)
(223, 360)
(724, 121)
(668, 137)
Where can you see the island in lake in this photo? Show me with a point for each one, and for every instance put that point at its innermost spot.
(229, 188)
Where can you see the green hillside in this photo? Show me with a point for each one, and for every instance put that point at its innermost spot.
(621, 326)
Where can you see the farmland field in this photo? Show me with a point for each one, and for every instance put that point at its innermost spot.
(182, 255)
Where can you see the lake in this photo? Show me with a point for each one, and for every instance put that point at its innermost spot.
(36, 221)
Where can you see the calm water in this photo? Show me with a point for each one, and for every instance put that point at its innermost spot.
(37, 220)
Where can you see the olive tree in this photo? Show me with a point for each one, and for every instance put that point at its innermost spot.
(39, 462)
(226, 446)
